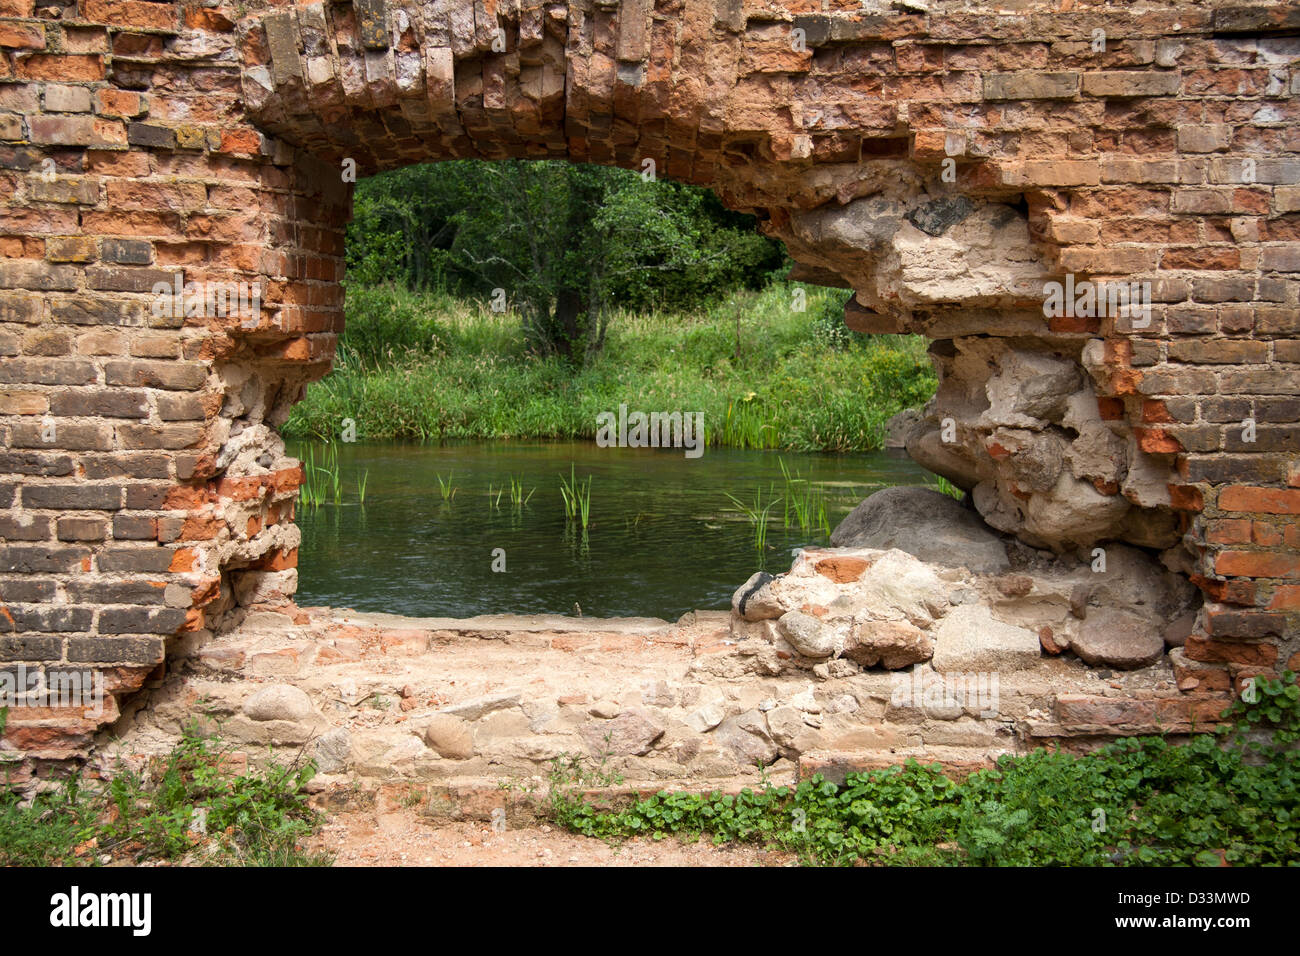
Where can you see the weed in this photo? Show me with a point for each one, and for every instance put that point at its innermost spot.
(577, 498)
(189, 806)
(1228, 797)
(447, 487)
(758, 514)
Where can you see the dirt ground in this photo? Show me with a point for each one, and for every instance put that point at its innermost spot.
(403, 838)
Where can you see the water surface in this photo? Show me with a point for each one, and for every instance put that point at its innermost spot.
(663, 537)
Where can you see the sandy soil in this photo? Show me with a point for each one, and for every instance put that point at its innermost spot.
(402, 838)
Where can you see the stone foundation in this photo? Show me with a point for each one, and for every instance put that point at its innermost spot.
(947, 160)
(467, 705)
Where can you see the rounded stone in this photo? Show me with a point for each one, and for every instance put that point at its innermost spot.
(278, 702)
(1118, 639)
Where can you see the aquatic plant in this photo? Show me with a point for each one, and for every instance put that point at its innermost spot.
(577, 497)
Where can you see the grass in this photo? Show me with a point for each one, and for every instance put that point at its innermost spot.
(1228, 797)
(321, 479)
(429, 367)
(447, 486)
(806, 503)
(758, 515)
(577, 498)
(946, 487)
(188, 807)
(518, 498)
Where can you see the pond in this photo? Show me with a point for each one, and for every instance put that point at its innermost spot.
(437, 533)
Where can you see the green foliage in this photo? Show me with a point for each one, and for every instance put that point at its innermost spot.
(563, 242)
(576, 495)
(828, 328)
(427, 367)
(1230, 796)
(946, 487)
(190, 805)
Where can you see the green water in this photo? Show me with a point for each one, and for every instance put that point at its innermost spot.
(663, 537)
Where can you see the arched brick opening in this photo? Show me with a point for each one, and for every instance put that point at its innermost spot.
(945, 162)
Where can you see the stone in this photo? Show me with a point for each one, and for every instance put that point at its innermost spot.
(754, 601)
(893, 644)
(1119, 639)
(332, 751)
(710, 711)
(971, 639)
(1180, 629)
(477, 707)
(747, 737)
(807, 635)
(278, 702)
(887, 157)
(1050, 642)
(632, 733)
(898, 426)
(926, 524)
(450, 736)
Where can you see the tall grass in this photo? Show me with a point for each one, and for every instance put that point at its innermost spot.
(806, 503)
(322, 480)
(518, 499)
(758, 515)
(429, 367)
(447, 487)
(577, 498)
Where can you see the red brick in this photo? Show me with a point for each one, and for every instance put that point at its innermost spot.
(1283, 501)
(1258, 564)
(1286, 597)
(1199, 648)
(22, 36)
(1228, 531)
(66, 69)
(132, 13)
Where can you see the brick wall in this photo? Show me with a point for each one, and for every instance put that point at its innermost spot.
(143, 488)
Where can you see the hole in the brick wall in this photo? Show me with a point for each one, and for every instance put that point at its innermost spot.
(450, 471)
(468, 378)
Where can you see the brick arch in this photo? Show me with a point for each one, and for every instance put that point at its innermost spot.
(185, 141)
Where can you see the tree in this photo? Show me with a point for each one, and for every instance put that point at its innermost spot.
(565, 243)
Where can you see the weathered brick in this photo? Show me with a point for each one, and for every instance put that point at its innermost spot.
(126, 466)
(177, 376)
(109, 402)
(30, 648)
(24, 527)
(97, 310)
(1129, 83)
(114, 650)
(173, 407)
(134, 528)
(26, 590)
(137, 252)
(1266, 500)
(34, 559)
(69, 436)
(46, 618)
(159, 436)
(135, 560)
(1257, 564)
(1031, 86)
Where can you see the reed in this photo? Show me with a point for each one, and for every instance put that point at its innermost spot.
(577, 497)
(758, 514)
(446, 486)
(518, 499)
(321, 479)
(804, 502)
